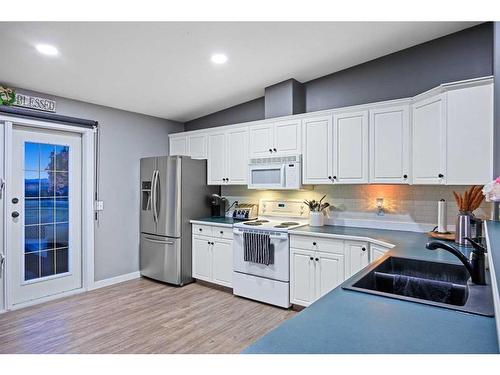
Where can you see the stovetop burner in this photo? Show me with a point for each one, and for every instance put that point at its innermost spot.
(289, 223)
(261, 221)
(281, 226)
(253, 223)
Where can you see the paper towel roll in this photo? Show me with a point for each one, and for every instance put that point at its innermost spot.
(442, 226)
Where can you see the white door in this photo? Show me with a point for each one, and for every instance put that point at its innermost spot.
(237, 157)
(287, 137)
(197, 146)
(302, 277)
(357, 253)
(178, 146)
(222, 261)
(45, 214)
(317, 146)
(261, 140)
(390, 145)
(469, 159)
(429, 141)
(350, 150)
(202, 258)
(329, 272)
(216, 164)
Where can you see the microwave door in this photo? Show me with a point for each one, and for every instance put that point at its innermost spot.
(267, 176)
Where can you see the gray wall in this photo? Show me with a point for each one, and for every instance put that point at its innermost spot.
(125, 138)
(249, 111)
(462, 55)
(496, 71)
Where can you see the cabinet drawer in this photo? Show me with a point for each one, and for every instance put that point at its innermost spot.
(328, 245)
(203, 230)
(222, 233)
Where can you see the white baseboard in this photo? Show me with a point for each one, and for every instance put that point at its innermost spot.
(115, 280)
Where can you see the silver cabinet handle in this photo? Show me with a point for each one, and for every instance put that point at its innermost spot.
(158, 241)
(2, 262)
(2, 185)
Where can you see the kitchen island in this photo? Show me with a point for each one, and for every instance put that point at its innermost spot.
(345, 321)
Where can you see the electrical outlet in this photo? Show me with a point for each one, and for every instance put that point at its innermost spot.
(99, 205)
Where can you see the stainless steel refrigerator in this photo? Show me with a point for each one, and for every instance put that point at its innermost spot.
(173, 191)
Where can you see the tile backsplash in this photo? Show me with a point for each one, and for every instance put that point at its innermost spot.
(413, 205)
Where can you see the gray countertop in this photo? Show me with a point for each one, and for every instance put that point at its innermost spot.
(346, 321)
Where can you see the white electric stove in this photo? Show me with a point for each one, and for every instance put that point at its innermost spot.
(268, 283)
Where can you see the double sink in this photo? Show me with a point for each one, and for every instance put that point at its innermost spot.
(432, 283)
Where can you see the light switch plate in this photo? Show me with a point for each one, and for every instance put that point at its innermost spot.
(99, 205)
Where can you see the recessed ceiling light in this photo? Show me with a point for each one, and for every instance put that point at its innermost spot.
(47, 49)
(219, 58)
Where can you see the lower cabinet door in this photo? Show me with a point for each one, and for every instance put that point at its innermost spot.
(329, 272)
(202, 258)
(377, 252)
(357, 256)
(302, 277)
(222, 262)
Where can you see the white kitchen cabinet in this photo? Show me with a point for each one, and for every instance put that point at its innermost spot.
(358, 256)
(330, 272)
(197, 146)
(390, 145)
(302, 277)
(283, 137)
(261, 139)
(178, 145)
(216, 165)
(237, 156)
(350, 148)
(377, 251)
(429, 140)
(212, 256)
(469, 135)
(317, 140)
(228, 157)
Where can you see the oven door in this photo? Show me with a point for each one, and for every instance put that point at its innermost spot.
(266, 176)
(279, 270)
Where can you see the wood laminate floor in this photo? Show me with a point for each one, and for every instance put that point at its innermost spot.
(140, 316)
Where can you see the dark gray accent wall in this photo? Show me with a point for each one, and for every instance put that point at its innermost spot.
(248, 111)
(462, 55)
(496, 95)
(284, 99)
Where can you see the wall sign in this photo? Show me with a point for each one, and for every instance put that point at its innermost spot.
(34, 102)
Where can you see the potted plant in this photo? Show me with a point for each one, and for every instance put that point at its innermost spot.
(317, 211)
(491, 192)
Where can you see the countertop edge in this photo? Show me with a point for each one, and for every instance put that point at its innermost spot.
(342, 237)
(210, 223)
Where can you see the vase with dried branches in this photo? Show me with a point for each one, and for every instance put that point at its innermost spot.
(467, 204)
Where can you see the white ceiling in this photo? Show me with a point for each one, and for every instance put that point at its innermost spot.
(164, 69)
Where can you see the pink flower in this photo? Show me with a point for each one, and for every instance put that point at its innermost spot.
(497, 180)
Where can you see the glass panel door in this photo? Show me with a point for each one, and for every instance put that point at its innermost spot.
(46, 205)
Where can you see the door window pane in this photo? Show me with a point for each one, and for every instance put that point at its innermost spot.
(46, 226)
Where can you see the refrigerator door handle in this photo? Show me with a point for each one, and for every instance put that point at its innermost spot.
(156, 194)
(158, 241)
(153, 195)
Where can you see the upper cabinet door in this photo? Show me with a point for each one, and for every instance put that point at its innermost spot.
(317, 147)
(287, 137)
(178, 146)
(429, 141)
(237, 156)
(350, 148)
(469, 155)
(216, 165)
(197, 145)
(261, 140)
(390, 145)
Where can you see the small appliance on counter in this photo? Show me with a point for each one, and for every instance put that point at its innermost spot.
(217, 205)
(245, 211)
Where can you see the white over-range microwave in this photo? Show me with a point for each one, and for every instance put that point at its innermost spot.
(275, 172)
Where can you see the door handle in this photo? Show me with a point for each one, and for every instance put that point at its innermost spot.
(2, 262)
(158, 241)
(2, 185)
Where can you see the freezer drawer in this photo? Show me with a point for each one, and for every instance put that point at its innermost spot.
(160, 258)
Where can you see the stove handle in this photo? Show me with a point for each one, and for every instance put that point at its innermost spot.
(283, 236)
